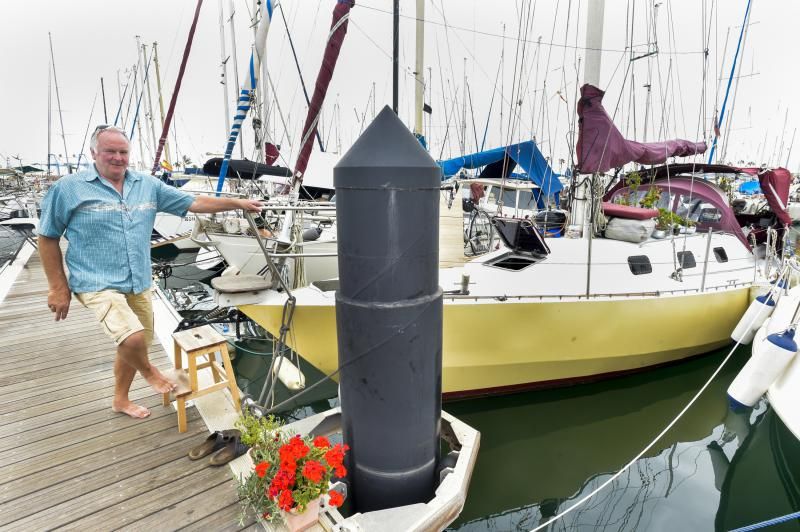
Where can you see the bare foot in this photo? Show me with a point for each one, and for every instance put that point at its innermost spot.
(158, 381)
(132, 409)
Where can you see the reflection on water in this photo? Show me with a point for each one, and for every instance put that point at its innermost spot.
(543, 451)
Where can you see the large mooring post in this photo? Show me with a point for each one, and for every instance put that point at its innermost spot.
(389, 315)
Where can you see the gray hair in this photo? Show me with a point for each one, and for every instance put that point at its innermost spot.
(103, 129)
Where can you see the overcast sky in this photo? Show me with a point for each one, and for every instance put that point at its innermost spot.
(96, 38)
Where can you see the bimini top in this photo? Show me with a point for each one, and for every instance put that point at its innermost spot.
(500, 162)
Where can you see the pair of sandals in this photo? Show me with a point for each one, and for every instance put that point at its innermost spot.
(225, 446)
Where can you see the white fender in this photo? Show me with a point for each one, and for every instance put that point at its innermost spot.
(771, 355)
(755, 315)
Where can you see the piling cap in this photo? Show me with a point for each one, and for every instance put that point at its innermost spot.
(387, 155)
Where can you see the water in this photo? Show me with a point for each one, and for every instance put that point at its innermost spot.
(715, 470)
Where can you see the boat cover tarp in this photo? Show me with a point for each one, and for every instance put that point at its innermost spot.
(775, 184)
(602, 147)
(244, 169)
(750, 187)
(525, 154)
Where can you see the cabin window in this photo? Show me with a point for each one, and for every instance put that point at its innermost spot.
(686, 259)
(640, 264)
(697, 210)
(720, 255)
(510, 198)
(526, 200)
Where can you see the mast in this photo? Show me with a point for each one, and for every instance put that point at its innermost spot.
(105, 111)
(232, 11)
(168, 120)
(419, 74)
(136, 123)
(718, 125)
(464, 113)
(49, 113)
(58, 101)
(160, 104)
(591, 75)
(223, 63)
(149, 115)
(395, 52)
(582, 200)
(248, 88)
(594, 42)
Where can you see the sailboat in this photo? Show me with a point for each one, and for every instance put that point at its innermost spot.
(539, 312)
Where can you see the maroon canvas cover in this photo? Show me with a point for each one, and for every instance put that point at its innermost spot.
(341, 15)
(601, 146)
(775, 186)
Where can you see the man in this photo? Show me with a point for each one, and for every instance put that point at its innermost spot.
(107, 215)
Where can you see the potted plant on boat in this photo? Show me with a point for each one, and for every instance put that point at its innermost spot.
(663, 221)
(291, 476)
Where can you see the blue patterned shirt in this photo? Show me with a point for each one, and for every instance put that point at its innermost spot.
(108, 234)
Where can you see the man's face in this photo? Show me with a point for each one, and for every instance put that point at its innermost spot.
(111, 157)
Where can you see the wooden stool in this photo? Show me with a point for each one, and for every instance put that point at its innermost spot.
(200, 342)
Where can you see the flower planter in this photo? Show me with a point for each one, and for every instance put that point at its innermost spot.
(691, 229)
(659, 233)
(296, 522)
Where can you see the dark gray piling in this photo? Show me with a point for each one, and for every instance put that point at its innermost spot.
(389, 315)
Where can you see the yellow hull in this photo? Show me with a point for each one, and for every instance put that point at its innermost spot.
(503, 346)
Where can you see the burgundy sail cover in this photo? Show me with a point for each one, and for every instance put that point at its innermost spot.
(601, 146)
(775, 186)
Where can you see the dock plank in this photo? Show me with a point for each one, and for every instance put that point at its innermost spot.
(67, 460)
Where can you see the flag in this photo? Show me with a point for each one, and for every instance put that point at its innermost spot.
(166, 166)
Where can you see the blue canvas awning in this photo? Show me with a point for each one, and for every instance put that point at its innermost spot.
(525, 154)
(750, 187)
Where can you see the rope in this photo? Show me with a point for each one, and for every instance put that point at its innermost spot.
(661, 434)
(769, 522)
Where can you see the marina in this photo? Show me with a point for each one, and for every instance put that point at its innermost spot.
(440, 267)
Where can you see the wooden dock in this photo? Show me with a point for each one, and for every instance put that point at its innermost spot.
(67, 460)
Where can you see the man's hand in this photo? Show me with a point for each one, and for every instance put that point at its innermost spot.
(251, 205)
(58, 301)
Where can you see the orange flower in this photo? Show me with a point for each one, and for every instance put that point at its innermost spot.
(336, 498)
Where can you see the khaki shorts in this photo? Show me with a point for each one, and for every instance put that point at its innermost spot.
(120, 314)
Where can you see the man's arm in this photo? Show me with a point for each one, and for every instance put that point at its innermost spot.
(59, 297)
(210, 204)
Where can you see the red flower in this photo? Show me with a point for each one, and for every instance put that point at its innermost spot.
(313, 471)
(284, 480)
(336, 498)
(261, 469)
(335, 457)
(340, 470)
(298, 448)
(321, 442)
(285, 501)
